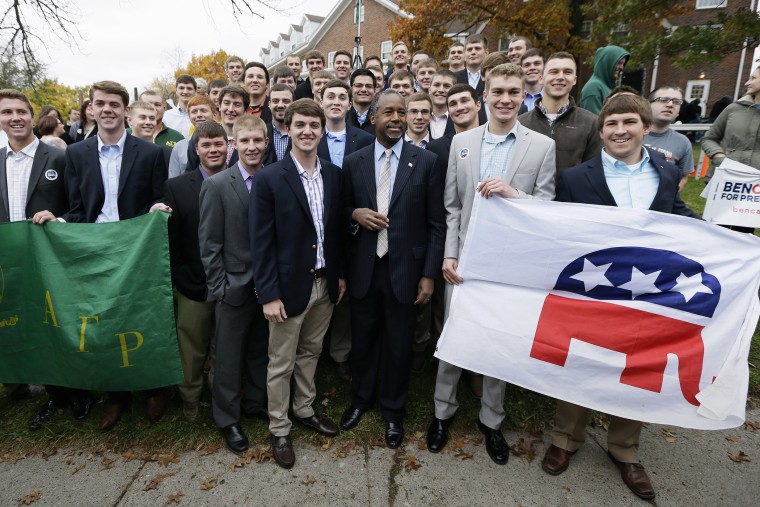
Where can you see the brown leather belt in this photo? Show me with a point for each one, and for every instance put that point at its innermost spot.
(319, 273)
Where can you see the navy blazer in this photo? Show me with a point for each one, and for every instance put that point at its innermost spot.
(353, 120)
(356, 139)
(416, 215)
(283, 236)
(585, 183)
(182, 195)
(141, 180)
(441, 147)
(464, 79)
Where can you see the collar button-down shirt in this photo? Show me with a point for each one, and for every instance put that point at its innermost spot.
(18, 169)
(632, 186)
(336, 143)
(496, 153)
(110, 157)
(438, 125)
(473, 79)
(315, 194)
(280, 142)
(380, 158)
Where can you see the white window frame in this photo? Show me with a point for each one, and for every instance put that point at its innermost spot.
(330, 59)
(703, 99)
(386, 55)
(711, 4)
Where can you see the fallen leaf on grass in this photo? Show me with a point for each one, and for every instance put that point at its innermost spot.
(668, 435)
(342, 450)
(524, 448)
(243, 460)
(732, 438)
(377, 442)
(51, 452)
(262, 454)
(78, 468)
(154, 482)
(751, 425)
(165, 459)
(12, 458)
(309, 480)
(129, 456)
(208, 484)
(329, 395)
(421, 445)
(175, 498)
(411, 463)
(211, 449)
(739, 458)
(30, 498)
(107, 463)
(459, 444)
(326, 444)
(463, 455)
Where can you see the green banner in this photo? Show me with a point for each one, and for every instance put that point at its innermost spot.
(88, 305)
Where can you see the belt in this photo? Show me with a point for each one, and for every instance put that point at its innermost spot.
(319, 273)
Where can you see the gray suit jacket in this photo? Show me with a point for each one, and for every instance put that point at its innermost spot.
(223, 237)
(530, 172)
(46, 190)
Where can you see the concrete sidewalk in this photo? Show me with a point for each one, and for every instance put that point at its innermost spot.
(687, 468)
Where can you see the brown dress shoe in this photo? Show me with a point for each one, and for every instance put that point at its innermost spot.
(556, 460)
(635, 477)
(110, 416)
(156, 405)
(282, 450)
(319, 423)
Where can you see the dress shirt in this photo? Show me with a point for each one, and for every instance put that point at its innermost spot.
(380, 158)
(179, 120)
(632, 186)
(423, 142)
(336, 143)
(203, 172)
(18, 167)
(438, 124)
(530, 100)
(110, 157)
(361, 117)
(315, 194)
(496, 152)
(280, 141)
(247, 178)
(473, 79)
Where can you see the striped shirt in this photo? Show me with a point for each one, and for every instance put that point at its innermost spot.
(315, 194)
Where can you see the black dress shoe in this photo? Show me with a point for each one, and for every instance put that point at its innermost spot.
(394, 435)
(319, 423)
(235, 439)
(496, 445)
(45, 413)
(80, 408)
(351, 417)
(438, 434)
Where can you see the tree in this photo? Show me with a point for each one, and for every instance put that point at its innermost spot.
(49, 92)
(646, 25)
(210, 66)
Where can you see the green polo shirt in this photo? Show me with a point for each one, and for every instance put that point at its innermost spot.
(168, 137)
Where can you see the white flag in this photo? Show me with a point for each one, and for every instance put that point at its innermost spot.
(733, 195)
(636, 313)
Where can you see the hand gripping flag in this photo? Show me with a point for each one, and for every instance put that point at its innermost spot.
(639, 314)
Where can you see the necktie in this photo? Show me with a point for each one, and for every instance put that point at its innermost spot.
(383, 201)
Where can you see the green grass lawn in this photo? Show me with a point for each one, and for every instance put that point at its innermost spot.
(526, 411)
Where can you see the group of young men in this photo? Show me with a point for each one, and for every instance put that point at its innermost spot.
(342, 202)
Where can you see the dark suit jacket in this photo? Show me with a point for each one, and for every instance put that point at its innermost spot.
(482, 115)
(585, 183)
(193, 160)
(462, 78)
(283, 236)
(353, 120)
(303, 91)
(181, 194)
(46, 189)
(441, 147)
(356, 139)
(141, 181)
(416, 216)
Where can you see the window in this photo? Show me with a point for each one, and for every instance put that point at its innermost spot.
(711, 4)
(586, 28)
(361, 10)
(330, 59)
(386, 49)
(698, 89)
(621, 30)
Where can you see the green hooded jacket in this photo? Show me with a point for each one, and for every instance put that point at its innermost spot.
(736, 132)
(603, 81)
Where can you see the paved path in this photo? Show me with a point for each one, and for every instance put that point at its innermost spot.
(687, 468)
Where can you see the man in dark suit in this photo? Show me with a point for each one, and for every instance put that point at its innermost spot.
(363, 87)
(475, 51)
(394, 208)
(115, 176)
(339, 141)
(242, 334)
(627, 175)
(296, 248)
(315, 61)
(32, 186)
(195, 315)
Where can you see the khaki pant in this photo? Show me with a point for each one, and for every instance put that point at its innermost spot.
(294, 348)
(195, 330)
(569, 432)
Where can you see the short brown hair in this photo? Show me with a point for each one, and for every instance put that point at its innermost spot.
(401, 75)
(248, 122)
(420, 96)
(461, 88)
(10, 93)
(337, 83)
(234, 58)
(626, 103)
(236, 90)
(505, 70)
(186, 79)
(492, 60)
(199, 100)
(305, 107)
(314, 55)
(47, 125)
(141, 104)
(209, 129)
(428, 62)
(560, 55)
(476, 38)
(110, 87)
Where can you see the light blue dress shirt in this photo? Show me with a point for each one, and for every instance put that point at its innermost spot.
(336, 143)
(110, 157)
(496, 152)
(380, 159)
(632, 186)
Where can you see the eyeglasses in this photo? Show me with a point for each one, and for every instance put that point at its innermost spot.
(665, 100)
(422, 112)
